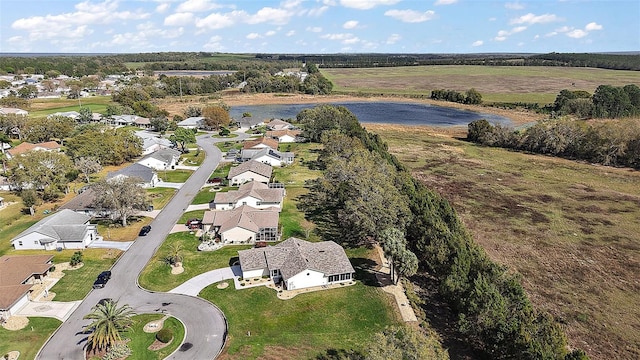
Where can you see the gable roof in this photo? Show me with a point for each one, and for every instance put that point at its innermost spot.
(164, 155)
(253, 166)
(250, 144)
(275, 154)
(192, 121)
(281, 133)
(294, 255)
(14, 271)
(25, 146)
(64, 225)
(277, 124)
(134, 170)
(253, 189)
(82, 201)
(244, 216)
(16, 111)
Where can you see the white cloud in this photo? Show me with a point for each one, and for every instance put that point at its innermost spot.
(270, 15)
(445, 2)
(318, 11)
(351, 24)
(492, 19)
(162, 7)
(344, 38)
(220, 21)
(290, 33)
(315, 29)
(411, 16)
(197, 6)
(179, 19)
(366, 4)
(503, 34)
(253, 36)
(514, 6)
(477, 43)
(393, 38)
(16, 39)
(500, 38)
(551, 34)
(577, 33)
(214, 44)
(270, 33)
(593, 26)
(518, 29)
(535, 19)
(563, 29)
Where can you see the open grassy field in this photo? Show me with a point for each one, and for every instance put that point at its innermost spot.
(44, 107)
(571, 229)
(495, 83)
(307, 325)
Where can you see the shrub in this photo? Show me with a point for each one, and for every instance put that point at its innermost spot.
(164, 335)
(117, 351)
(76, 258)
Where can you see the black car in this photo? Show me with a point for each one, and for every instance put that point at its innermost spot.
(145, 230)
(102, 279)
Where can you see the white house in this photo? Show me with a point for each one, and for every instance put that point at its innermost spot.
(260, 143)
(242, 225)
(285, 136)
(19, 273)
(269, 156)
(255, 194)
(14, 111)
(70, 114)
(250, 171)
(163, 159)
(65, 229)
(277, 124)
(152, 142)
(298, 264)
(148, 177)
(195, 122)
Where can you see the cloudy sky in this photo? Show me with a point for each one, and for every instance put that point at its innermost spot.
(319, 26)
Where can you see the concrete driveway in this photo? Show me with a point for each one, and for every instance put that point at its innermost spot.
(55, 309)
(194, 285)
(104, 244)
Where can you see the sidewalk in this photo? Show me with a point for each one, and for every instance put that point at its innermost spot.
(384, 279)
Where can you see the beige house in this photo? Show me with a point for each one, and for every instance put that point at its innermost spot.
(18, 273)
(250, 171)
(242, 225)
(253, 193)
(25, 147)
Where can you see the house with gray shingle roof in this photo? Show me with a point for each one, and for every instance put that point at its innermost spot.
(148, 177)
(152, 142)
(163, 159)
(298, 264)
(250, 171)
(253, 193)
(18, 273)
(64, 229)
(242, 225)
(268, 156)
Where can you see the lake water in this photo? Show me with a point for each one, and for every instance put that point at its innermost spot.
(378, 112)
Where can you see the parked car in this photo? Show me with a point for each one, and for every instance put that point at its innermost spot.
(102, 279)
(145, 230)
(194, 224)
(215, 181)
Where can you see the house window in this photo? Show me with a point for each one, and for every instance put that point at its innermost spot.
(244, 203)
(19, 243)
(35, 242)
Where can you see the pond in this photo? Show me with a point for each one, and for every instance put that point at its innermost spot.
(378, 112)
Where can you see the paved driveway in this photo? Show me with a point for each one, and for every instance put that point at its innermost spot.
(55, 309)
(104, 244)
(194, 285)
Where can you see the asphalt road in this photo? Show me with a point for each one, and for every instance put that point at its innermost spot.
(205, 324)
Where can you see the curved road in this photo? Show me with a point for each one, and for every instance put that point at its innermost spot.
(204, 323)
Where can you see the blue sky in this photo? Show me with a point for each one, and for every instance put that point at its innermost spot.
(319, 26)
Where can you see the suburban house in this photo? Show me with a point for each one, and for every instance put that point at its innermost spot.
(84, 203)
(285, 136)
(247, 123)
(147, 175)
(260, 143)
(18, 274)
(298, 264)
(253, 193)
(268, 156)
(242, 225)
(195, 122)
(163, 159)
(25, 146)
(70, 114)
(64, 229)
(277, 124)
(13, 111)
(135, 120)
(152, 142)
(250, 171)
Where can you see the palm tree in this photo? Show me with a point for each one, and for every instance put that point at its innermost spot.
(109, 321)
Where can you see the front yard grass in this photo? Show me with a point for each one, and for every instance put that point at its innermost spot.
(160, 196)
(221, 171)
(204, 196)
(140, 340)
(305, 326)
(302, 168)
(193, 158)
(228, 145)
(174, 176)
(76, 284)
(113, 231)
(195, 214)
(29, 340)
(292, 220)
(157, 276)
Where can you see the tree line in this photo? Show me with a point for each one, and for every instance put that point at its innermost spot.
(471, 96)
(614, 143)
(366, 195)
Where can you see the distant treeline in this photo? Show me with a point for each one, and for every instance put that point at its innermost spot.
(81, 65)
(472, 96)
(614, 143)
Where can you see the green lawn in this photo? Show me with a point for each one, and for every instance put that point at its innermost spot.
(140, 340)
(193, 158)
(227, 145)
(157, 276)
(305, 326)
(76, 284)
(191, 215)
(29, 340)
(160, 196)
(204, 196)
(113, 231)
(221, 171)
(44, 107)
(174, 176)
(292, 221)
(296, 174)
